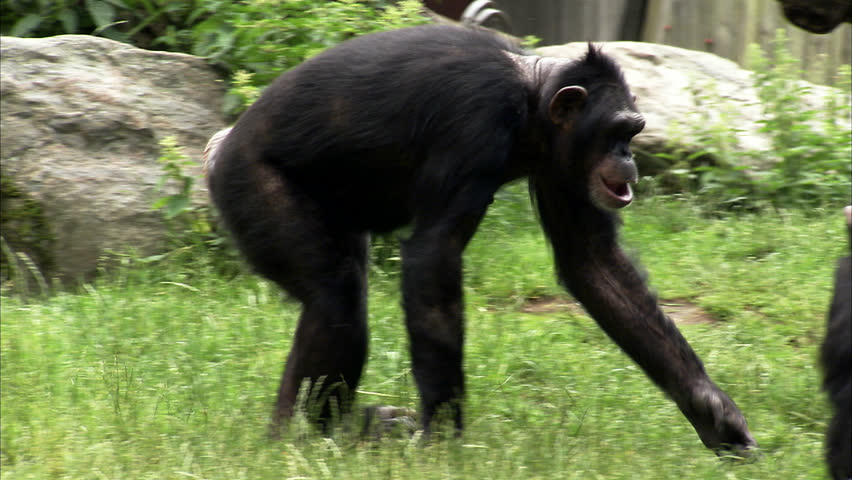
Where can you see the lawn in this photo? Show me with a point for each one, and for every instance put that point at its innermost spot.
(169, 370)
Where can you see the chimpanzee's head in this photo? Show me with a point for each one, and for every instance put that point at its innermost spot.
(594, 118)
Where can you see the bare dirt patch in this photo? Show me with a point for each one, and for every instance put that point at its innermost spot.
(684, 312)
(551, 304)
(680, 311)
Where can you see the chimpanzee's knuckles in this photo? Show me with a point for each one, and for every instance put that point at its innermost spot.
(719, 423)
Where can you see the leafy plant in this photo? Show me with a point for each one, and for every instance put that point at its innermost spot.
(191, 225)
(261, 39)
(145, 23)
(808, 165)
(173, 163)
(812, 145)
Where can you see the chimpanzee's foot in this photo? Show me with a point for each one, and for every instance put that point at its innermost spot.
(386, 420)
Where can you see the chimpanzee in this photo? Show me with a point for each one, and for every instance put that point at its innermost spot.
(817, 16)
(422, 126)
(836, 359)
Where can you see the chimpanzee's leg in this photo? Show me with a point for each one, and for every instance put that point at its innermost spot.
(286, 237)
(432, 297)
(330, 345)
(836, 360)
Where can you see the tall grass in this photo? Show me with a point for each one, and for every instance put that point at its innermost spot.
(165, 371)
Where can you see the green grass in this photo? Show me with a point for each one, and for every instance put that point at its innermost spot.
(171, 371)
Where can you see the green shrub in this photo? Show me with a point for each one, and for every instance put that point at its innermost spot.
(192, 225)
(162, 24)
(260, 38)
(809, 163)
(812, 146)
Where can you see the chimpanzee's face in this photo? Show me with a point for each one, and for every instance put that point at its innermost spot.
(595, 130)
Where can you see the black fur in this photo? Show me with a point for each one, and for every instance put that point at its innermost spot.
(421, 126)
(836, 360)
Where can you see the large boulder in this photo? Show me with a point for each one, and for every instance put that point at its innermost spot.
(683, 94)
(80, 122)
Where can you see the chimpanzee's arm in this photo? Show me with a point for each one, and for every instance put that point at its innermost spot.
(614, 293)
(432, 298)
(597, 272)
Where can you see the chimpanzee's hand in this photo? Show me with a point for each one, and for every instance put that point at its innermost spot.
(718, 421)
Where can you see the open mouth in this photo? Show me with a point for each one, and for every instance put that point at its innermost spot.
(620, 194)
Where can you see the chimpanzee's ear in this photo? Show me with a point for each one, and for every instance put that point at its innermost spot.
(565, 105)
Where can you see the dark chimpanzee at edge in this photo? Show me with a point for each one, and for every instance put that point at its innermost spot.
(422, 126)
(836, 360)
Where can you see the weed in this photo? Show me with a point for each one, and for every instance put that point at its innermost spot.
(808, 165)
(191, 223)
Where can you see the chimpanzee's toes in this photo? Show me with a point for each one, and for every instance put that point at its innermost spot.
(386, 420)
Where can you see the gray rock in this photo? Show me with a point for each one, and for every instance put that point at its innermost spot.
(80, 122)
